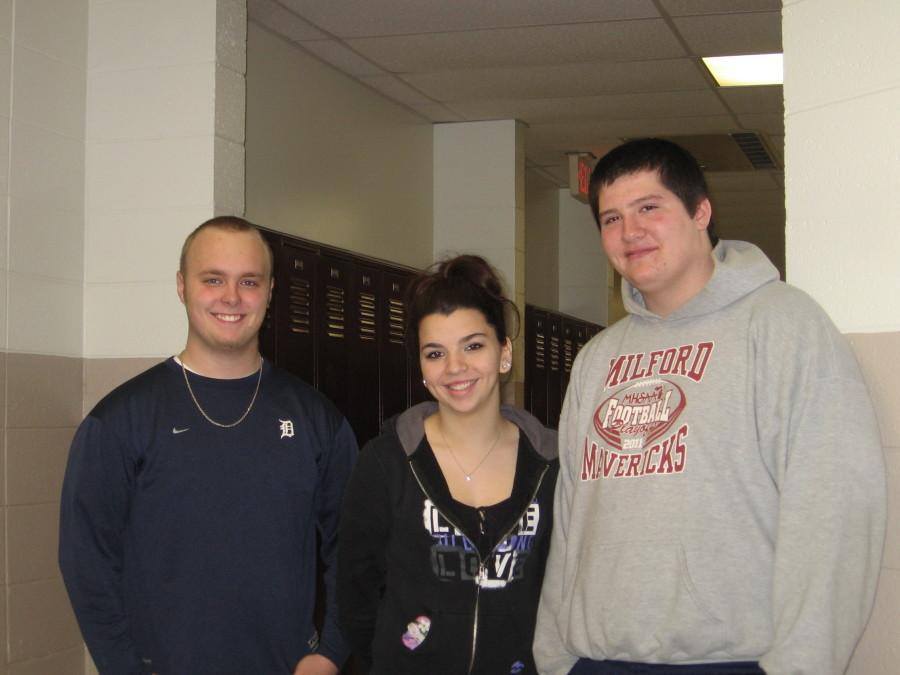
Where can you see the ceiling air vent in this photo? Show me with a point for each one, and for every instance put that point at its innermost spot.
(736, 151)
(752, 146)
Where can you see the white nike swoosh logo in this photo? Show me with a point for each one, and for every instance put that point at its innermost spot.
(176, 430)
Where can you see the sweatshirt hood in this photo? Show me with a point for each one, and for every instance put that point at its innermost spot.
(739, 269)
(410, 428)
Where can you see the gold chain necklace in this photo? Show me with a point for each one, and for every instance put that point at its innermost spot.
(469, 474)
(203, 412)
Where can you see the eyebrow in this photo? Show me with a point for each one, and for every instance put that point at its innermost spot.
(633, 202)
(431, 345)
(223, 273)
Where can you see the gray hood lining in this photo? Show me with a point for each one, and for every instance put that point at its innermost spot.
(410, 428)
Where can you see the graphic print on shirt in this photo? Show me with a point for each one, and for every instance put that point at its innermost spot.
(635, 431)
(453, 558)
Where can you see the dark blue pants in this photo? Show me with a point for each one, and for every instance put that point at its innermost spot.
(588, 667)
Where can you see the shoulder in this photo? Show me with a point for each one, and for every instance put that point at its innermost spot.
(790, 328)
(146, 388)
(780, 301)
(784, 312)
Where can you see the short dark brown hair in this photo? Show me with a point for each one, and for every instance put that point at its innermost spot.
(678, 171)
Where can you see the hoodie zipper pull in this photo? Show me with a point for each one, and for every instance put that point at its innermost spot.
(481, 520)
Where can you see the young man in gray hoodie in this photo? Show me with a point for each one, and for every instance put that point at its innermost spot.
(721, 499)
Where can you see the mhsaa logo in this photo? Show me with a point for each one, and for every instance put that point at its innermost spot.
(634, 416)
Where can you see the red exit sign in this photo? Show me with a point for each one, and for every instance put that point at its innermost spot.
(580, 168)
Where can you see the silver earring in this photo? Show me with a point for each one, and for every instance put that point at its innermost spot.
(505, 365)
(424, 383)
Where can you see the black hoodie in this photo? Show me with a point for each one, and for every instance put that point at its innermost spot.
(415, 594)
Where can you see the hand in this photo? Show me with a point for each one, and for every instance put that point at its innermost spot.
(316, 664)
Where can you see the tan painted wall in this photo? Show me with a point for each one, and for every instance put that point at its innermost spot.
(541, 241)
(346, 167)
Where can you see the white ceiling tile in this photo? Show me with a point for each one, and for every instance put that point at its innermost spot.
(282, 21)
(690, 7)
(342, 57)
(611, 106)
(356, 18)
(395, 89)
(579, 79)
(728, 34)
(542, 45)
(768, 99)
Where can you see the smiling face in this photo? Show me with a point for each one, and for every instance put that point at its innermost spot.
(653, 241)
(225, 287)
(461, 360)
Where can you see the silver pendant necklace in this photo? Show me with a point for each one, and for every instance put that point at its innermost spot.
(203, 412)
(469, 474)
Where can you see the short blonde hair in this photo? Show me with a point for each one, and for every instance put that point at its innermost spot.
(230, 224)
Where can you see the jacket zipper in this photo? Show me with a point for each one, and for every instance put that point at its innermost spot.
(482, 570)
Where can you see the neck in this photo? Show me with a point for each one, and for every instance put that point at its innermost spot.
(473, 430)
(663, 304)
(227, 366)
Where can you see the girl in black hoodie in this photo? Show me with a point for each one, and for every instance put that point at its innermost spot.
(446, 520)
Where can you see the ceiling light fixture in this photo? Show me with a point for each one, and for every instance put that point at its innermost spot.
(746, 71)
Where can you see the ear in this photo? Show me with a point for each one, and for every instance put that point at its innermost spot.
(702, 214)
(179, 283)
(271, 288)
(506, 356)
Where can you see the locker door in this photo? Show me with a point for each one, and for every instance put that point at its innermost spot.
(536, 363)
(554, 343)
(364, 337)
(293, 311)
(569, 349)
(395, 367)
(334, 309)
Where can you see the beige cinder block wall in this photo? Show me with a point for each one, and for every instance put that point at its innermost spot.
(842, 94)
(43, 46)
(112, 150)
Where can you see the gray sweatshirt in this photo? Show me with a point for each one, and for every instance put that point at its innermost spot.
(721, 492)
